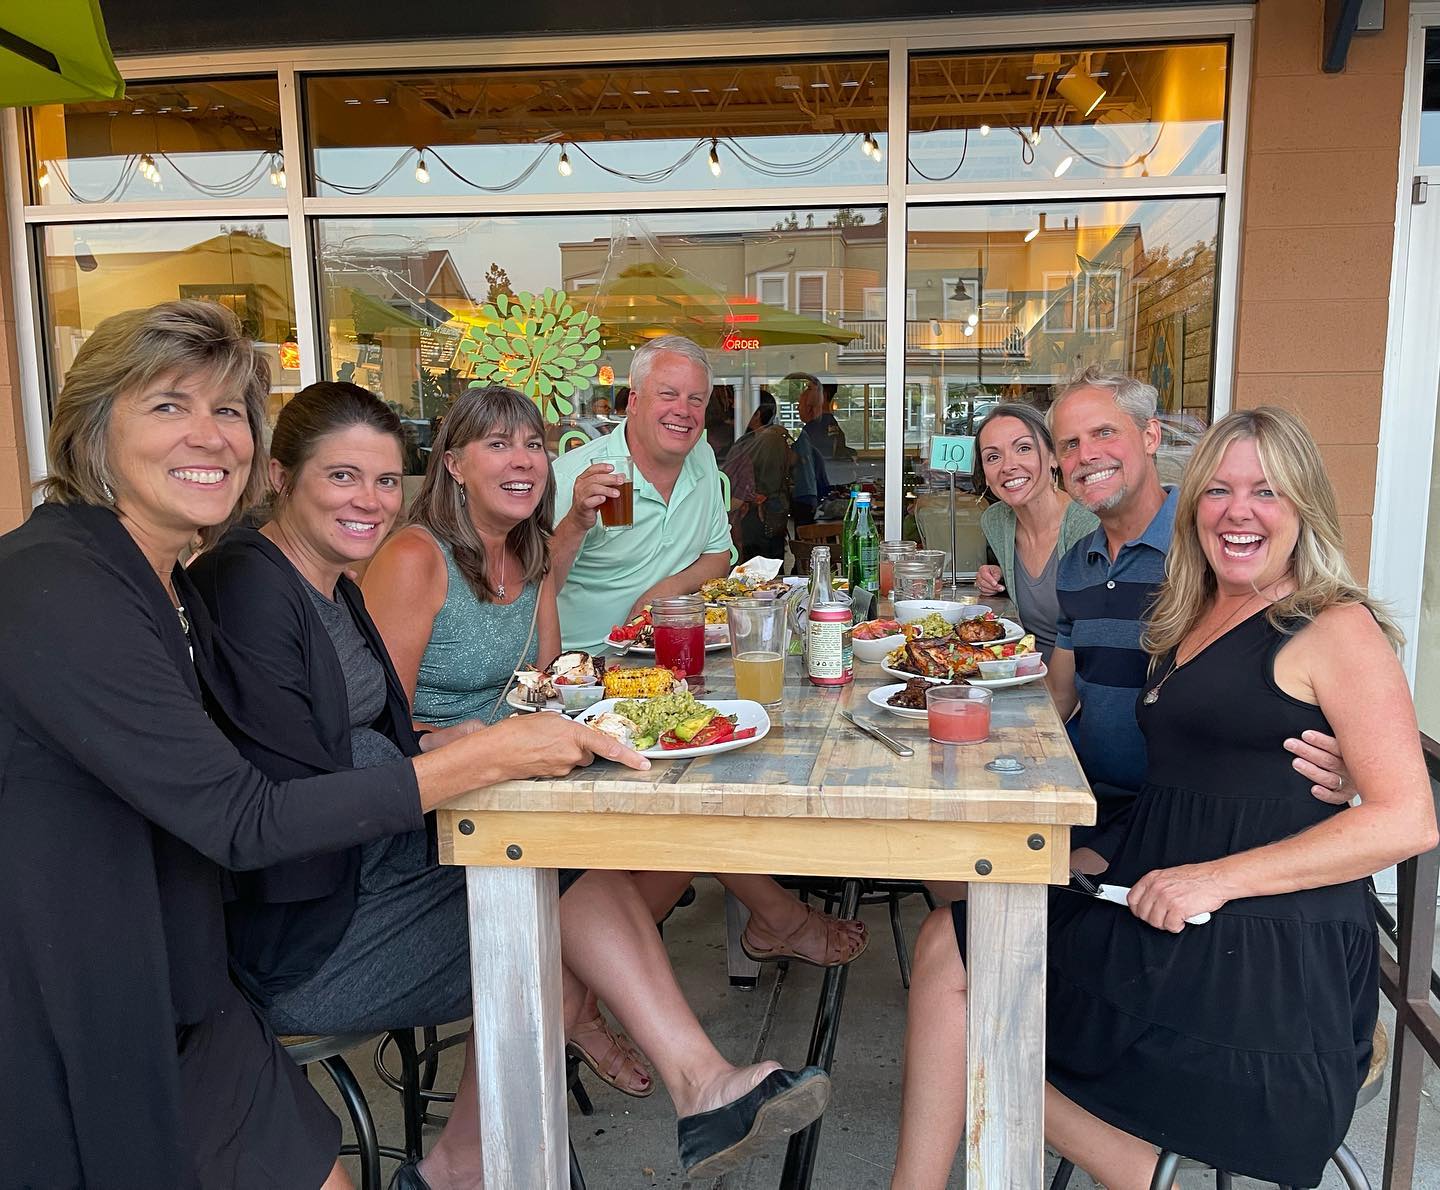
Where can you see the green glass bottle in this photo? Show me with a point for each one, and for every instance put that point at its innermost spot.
(847, 531)
(863, 562)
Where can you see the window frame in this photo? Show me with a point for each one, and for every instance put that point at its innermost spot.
(1233, 23)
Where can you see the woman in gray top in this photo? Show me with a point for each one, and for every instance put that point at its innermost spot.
(1034, 521)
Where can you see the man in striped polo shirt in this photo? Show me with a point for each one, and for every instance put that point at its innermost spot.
(1106, 434)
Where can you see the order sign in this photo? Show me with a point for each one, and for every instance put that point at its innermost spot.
(952, 453)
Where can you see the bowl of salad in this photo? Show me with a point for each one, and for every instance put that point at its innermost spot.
(874, 638)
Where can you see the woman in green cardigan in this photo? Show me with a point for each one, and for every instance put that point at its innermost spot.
(1033, 523)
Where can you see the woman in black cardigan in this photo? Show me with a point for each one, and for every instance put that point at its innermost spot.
(130, 1058)
(375, 937)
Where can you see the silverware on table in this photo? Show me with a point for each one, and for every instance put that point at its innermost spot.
(875, 733)
(1117, 894)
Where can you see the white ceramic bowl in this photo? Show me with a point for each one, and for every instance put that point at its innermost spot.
(907, 611)
(873, 651)
(1002, 667)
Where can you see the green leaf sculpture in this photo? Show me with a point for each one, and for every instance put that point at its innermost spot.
(540, 345)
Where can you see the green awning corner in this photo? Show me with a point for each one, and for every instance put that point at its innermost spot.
(55, 52)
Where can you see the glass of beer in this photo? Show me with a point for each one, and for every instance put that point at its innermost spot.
(618, 512)
(759, 641)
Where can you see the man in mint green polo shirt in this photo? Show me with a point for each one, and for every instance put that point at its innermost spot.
(681, 534)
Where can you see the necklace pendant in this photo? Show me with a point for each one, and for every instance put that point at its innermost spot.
(1152, 696)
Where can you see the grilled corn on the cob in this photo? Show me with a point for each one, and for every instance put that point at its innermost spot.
(648, 682)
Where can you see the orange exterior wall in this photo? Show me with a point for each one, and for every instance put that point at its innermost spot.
(1317, 237)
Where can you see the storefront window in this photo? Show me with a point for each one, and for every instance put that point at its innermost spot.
(678, 126)
(219, 139)
(1015, 299)
(93, 270)
(405, 305)
(1040, 115)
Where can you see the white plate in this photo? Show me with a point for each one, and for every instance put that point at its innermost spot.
(747, 714)
(711, 646)
(905, 677)
(1006, 683)
(516, 699)
(878, 696)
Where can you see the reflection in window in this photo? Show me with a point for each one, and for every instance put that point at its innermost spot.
(94, 270)
(405, 301)
(217, 139)
(680, 126)
(1127, 284)
(1120, 111)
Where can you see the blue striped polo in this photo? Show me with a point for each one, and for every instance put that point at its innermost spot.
(1103, 605)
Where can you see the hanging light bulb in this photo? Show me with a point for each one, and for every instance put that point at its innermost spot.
(865, 144)
(875, 150)
(973, 320)
(984, 129)
(1065, 163)
(969, 329)
(1034, 136)
(1032, 233)
(280, 172)
(274, 171)
(42, 176)
(715, 157)
(422, 175)
(563, 165)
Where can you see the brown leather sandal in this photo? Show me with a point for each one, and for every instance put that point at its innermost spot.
(614, 1055)
(837, 951)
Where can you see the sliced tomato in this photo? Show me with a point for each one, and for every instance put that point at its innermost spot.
(717, 731)
(671, 740)
(745, 733)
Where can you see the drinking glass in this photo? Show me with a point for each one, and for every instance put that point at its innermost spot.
(890, 553)
(914, 578)
(958, 714)
(618, 512)
(759, 641)
(680, 634)
(937, 560)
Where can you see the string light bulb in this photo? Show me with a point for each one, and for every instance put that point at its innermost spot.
(984, 129)
(148, 169)
(42, 176)
(422, 175)
(563, 165)
(973, 320)
(1032, 233)
(1034, 136)
(875, 150)
(280, 172)
(715, 157)
(969, 329)
(1065, 163)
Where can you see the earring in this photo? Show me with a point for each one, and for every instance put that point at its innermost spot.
(461, 486)
(108, 492)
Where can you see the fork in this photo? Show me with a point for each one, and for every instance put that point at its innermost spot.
(1117, 894)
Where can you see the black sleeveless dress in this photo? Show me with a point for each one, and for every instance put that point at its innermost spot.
(1241, 1042)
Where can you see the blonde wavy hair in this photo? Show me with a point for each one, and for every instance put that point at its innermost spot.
(1293, 467)
(125, 353)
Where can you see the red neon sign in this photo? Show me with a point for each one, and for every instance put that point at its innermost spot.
(739, 343)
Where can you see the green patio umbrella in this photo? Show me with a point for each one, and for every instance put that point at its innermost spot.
(55, 52)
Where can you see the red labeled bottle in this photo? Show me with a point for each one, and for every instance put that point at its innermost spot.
(828, 647)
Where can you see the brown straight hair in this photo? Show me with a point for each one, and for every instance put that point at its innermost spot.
(326, 407)
(439, 506)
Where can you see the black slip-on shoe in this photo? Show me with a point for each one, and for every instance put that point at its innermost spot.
(408, 1177)
(782, 1103)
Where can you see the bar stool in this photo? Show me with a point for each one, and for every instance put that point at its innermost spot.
(1349, 1169)
(325, 1049)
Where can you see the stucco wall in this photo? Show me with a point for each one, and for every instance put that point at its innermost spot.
(1323, 151)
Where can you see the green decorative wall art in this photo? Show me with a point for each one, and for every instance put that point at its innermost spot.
(539, 344)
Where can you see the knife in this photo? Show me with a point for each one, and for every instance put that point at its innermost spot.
(876, 734)
(1116, 894)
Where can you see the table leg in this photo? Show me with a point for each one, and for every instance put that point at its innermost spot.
(519, 1026)
(744, 971)
(1005, 1022)
(804, 1145)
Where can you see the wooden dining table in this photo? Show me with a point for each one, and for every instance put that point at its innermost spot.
(814, 797)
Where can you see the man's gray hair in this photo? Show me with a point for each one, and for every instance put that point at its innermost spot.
(644, 358)
(1133, 397)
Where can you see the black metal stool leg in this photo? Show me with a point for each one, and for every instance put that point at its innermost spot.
(902, 951)
(411, 1108)
(1165, 1170)
(576, 1087)
(1349, 1169)
(430, 1042)
(577, 1179)
(1063, 1171)
(1222, 1180)
(367, 1143)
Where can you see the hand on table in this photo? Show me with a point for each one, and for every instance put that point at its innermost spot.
(550, 745)
(1165, 897)
(1318, 759)
(593, 486)
(990, 580)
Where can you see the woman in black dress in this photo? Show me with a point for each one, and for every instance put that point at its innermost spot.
(1241, 1042)
(131, 1059)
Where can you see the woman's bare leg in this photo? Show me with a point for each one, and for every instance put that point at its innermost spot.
(608, 937)
(932, 1096)
(455, 1159)
(1110, 1156)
